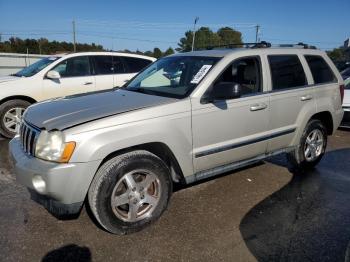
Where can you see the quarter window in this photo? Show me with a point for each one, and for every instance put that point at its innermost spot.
(286, 72)
(246, 72)
(134, 65)
(320, 70)
(75, 66)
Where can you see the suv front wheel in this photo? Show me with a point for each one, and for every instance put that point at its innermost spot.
(312, 147)
(130, 191)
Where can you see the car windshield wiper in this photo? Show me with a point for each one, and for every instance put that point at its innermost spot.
(15, 74)
(138, 89)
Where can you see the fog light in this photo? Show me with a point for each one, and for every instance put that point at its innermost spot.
(39, 184)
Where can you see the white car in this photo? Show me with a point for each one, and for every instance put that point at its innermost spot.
(65, 75)
(346, 104)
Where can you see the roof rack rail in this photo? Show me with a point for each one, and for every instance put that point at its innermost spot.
(261, 44)
(298, 45)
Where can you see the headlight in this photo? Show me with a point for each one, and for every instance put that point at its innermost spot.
(52, 146)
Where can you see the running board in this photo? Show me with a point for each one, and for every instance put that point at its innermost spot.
(232, 166)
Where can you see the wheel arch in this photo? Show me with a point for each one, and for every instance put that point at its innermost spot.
(159, 149)
(326, 118)
(18, 97)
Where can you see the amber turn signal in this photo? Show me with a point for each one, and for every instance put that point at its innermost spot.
(67, 152)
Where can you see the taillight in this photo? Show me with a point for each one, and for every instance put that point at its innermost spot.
(341, 89)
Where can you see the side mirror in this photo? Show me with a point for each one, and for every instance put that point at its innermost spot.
(54, 75)
(223, 91)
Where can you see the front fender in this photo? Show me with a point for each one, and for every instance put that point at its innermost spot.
(172, 130)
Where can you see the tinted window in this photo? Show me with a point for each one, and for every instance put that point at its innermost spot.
(134, 65)
(103, 65)
(319, 69)
(75, 66)
(246, 72)
(118, 65)
(286, 71)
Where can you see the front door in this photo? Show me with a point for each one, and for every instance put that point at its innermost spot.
(232, 130)
(76, 78)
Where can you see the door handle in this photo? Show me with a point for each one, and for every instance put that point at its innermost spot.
(258, 107)
(306, 98)
(88, 83)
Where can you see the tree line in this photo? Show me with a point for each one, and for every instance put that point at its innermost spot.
(43, 46)
(204, 38)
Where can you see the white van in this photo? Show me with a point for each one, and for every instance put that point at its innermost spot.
(65, 75)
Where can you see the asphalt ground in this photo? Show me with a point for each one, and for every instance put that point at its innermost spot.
(260, 213)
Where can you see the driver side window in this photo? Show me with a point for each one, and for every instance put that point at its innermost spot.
(246, 72)
(75, 66)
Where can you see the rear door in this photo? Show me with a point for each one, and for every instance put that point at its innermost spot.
(132, 65)
(76, 78)
(292, 98)
(103, 71)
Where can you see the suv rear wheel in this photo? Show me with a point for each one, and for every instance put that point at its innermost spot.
(130, 191)
(312, 147)
(11, 113)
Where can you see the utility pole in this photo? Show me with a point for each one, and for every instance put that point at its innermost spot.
(74, 40)
(194, 31)
(257, 33)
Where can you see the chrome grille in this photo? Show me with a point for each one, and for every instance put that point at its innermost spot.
(29, 136)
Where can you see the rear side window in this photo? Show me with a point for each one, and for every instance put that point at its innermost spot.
(118, 65)
(286, 72)
(320, 70)
(103, 65)
(134, 65)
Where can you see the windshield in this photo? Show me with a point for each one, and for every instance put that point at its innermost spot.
(175, 76)
(36, 67)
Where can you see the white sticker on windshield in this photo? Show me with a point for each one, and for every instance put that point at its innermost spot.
(200, 74)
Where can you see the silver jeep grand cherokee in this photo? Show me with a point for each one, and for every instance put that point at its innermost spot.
(186, 117)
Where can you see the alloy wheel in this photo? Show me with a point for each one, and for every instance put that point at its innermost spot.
(136, 195)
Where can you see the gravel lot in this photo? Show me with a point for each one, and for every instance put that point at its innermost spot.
(262, 213)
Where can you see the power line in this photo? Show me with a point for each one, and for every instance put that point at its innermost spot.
(126, 38)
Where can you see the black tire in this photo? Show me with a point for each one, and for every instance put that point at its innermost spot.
(5, 107)
(297, 158)
(107, 178)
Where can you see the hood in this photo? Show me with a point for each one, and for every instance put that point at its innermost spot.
(8, 78)
(66, 112)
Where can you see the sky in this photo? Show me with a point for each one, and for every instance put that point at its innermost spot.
(143, 25)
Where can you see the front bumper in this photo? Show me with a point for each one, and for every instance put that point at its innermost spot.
(66, 185)
(346, 118)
